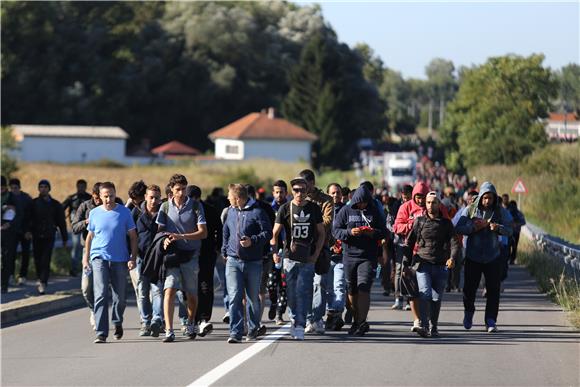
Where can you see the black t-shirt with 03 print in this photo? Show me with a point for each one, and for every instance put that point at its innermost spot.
(300, 228)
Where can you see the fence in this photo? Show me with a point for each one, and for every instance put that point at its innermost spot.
(568, 252)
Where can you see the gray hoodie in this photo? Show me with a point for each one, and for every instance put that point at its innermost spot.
(483, 246)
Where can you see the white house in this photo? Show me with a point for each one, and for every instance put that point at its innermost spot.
(70, 144)
(564, 127)
(262, 135)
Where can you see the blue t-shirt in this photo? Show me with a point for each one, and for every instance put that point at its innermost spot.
(182, 221)
(110, 229)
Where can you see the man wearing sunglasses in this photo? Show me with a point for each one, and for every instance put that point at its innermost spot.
(301, 220)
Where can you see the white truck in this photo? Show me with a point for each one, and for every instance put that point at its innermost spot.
(400, 169)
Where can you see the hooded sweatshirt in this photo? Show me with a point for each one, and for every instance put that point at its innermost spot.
(361, 247)
(483, 246)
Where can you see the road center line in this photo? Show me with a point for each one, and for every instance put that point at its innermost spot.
(230, 364)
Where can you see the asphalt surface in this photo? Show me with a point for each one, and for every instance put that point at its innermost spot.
(535, 347)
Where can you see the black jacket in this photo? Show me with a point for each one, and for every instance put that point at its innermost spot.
(146, 231)
(435, 240)
(45, 217)
(152, 266)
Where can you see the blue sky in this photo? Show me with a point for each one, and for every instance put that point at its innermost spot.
(408, 35)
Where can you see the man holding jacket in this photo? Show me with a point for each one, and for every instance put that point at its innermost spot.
(360, 227)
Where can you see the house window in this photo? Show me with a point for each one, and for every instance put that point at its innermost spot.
(232, 149)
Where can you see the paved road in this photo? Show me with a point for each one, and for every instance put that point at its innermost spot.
(535, 347)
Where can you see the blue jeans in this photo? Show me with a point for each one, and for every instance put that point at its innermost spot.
(115, 273)
(335, 291)
(299, 283)
(243, 276)
(148, 292)
(319, 297)
(432, 280)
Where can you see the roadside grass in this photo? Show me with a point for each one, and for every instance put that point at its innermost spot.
(260, 173)
(60, 264)
(552, 176)
(561, 286)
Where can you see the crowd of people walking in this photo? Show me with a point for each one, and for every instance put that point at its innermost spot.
(311, 254)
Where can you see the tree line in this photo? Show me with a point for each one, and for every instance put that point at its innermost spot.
(180, 70)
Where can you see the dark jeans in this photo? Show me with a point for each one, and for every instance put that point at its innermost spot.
(24, 254)
(514, 247)
(8, 257)
(42, 248)
(492, 272)
(205, 288)
(504, 256)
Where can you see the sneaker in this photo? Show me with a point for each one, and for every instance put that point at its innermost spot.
(233, 340)
(398, 305)
(261, 331)
(92, 321)
(490, 324)
(41, 288)
(155, 329)
(191, 331)
(21, 281)
(292, 331)
(169, 337)
(467, 320)
(338, 324)
(310, 328)
(205, 328)
(145, 330)
(184, 329)
(298, 333)
(118, 332)
(362, 329)
(319, 327)
(353, 328)
(272, 312)
(386, 293)
(280, 320)
(253, 335)
(100, 340)
(408, 306)
(226, 318)
(416, 326)
(433, 332)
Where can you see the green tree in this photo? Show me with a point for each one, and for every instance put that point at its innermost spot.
(330, 97)
(494, 118)
(9, 164)
(441, 86)
(569, 90)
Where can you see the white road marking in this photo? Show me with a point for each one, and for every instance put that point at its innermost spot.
(232, 363)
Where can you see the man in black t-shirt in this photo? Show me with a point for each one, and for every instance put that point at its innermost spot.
(302, 223)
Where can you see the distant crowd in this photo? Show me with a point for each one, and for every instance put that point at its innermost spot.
(308, 255)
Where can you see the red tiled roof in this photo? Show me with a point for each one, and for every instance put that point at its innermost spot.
(260, 126)
(175, 148)
(560, 117)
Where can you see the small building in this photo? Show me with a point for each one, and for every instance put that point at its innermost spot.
(70, 144)
(563, 127)
(175, 149)
(262, 135)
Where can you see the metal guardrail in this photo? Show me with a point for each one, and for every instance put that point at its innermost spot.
(568, 252)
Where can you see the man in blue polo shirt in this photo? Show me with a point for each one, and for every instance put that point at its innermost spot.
(106, 246)
(183, 219)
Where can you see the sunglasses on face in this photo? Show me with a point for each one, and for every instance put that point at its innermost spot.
(298, 190)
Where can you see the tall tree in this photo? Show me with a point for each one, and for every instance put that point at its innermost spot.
(494, 118)
(569, 88)
(441, 82)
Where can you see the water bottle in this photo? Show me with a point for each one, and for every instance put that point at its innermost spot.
(88, 271)
(278, 265)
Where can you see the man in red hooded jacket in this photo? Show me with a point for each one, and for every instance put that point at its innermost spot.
(406, 215)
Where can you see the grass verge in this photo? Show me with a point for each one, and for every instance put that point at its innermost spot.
(561, 286)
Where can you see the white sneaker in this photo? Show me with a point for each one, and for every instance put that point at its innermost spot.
(408, 306)
(310, 328)
(21, 281)
(398, 305)
(92, 321)
(41, 288)
(205, 328)
(319, 327)
(299, 333)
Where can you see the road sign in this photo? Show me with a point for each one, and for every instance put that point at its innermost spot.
(519, 187)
